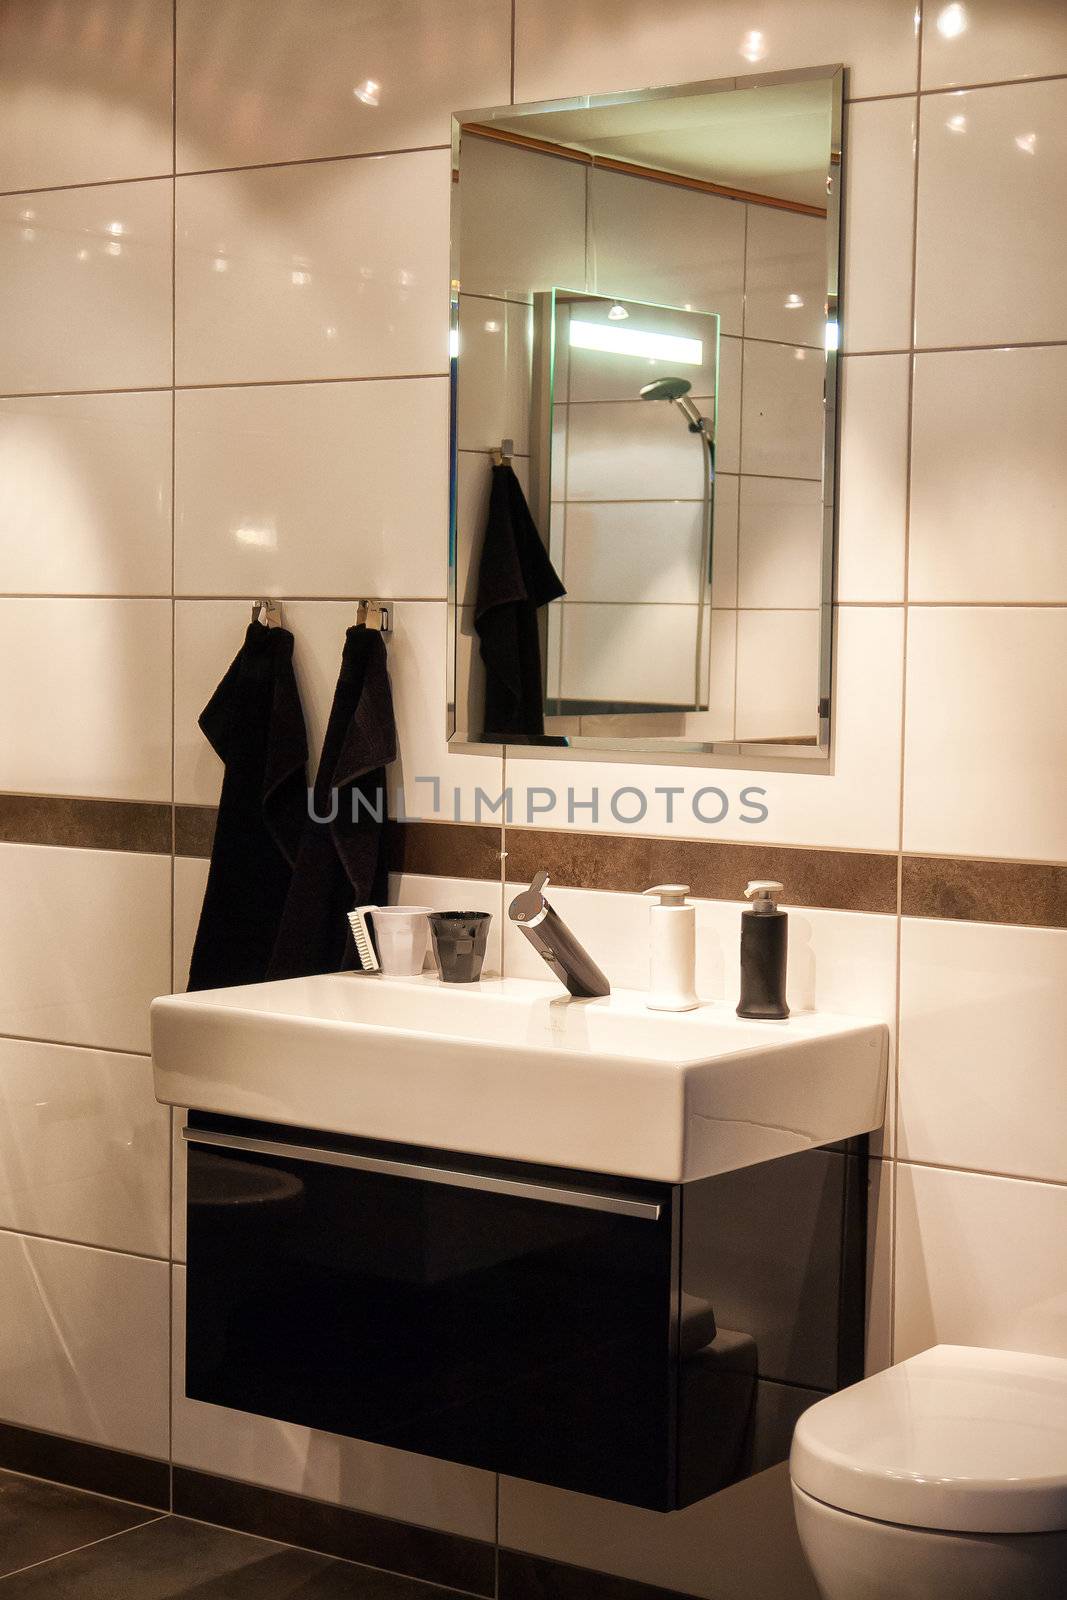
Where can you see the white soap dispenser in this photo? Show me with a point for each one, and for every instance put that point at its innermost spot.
(672, 950)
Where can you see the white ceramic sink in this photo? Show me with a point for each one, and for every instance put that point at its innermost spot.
(515, 1069)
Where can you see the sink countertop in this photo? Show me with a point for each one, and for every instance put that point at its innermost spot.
(518, 1070)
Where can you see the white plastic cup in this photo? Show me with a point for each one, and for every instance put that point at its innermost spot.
(402, 934)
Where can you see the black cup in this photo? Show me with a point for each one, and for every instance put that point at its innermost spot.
(459, 940)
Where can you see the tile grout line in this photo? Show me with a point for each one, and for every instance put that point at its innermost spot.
(81, 1244)
(162, 1516)
(325, 1555)
(173, 724)
(898, 1003)
(211, 172)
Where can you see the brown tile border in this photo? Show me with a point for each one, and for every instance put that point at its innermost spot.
(96, 1467)
(143, 827)
(448, 1559)
(839, 880)
(1030, 894)
(446, 849)
(194, 830)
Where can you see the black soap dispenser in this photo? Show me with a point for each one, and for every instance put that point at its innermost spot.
(764, 946)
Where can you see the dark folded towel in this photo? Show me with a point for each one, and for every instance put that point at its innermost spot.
(342, 859)
(515, 578)
(255, 724)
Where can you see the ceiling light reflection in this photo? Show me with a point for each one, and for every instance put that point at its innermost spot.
(957, 124)
(793, 302)
(1027, 143)
(754, 46)
(952, 21)
(368, 91)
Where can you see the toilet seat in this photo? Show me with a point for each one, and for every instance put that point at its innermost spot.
(955, 1439)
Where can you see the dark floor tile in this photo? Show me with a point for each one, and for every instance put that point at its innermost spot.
(524, 1577)
(174, 1559)
(85, 1466)
(39, 1520)
(403, 1547)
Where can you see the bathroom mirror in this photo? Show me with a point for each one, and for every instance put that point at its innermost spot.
(644, 347)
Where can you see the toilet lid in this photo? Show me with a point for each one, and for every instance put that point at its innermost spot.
(956, 1439)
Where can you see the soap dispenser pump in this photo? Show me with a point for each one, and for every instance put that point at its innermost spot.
(672, 950)
(764, 946)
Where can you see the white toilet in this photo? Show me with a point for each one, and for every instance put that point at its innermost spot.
(943, 1478)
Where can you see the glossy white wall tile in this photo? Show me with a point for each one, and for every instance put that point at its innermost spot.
(323, 1466)
(688, 250)
(994, 161)
(853, 803)
(84, 1147)
(569, 47)
(85, 277)
(879, 225)
(986, 733)
(635, 653)
(86, 501)
(308, 78)
(872, 477)
(313, 489)
(505, 195)
(495, 342)
(85, 94)
(775, 698)
(780, 523)
(638, 549)
(782, 432)
(989, 476)
(190, 881)
(93, 708)
(631, 450)
(338, 269)
(84, 944)
(979, 1261)
(741, 1542)
(83, 1343)
(988, 41)
(881, 1180)
(785, 277)
(983, 1019)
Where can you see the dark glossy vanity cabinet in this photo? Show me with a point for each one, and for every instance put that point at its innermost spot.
(636, 1341)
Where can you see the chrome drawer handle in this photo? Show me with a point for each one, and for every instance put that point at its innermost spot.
(580, 1199)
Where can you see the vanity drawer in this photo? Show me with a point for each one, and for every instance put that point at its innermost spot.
(523, 1320)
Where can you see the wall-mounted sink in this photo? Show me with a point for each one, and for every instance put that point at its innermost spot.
(512, 1069)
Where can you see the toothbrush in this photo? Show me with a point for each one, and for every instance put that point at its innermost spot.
(368, 956)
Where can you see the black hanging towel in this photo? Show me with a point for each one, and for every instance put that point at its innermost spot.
(515, 578)
(342, 859)
(255, 724)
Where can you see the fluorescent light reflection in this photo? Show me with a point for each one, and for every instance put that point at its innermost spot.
(618, 341)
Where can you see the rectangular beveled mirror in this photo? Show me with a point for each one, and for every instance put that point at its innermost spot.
(644, 360)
